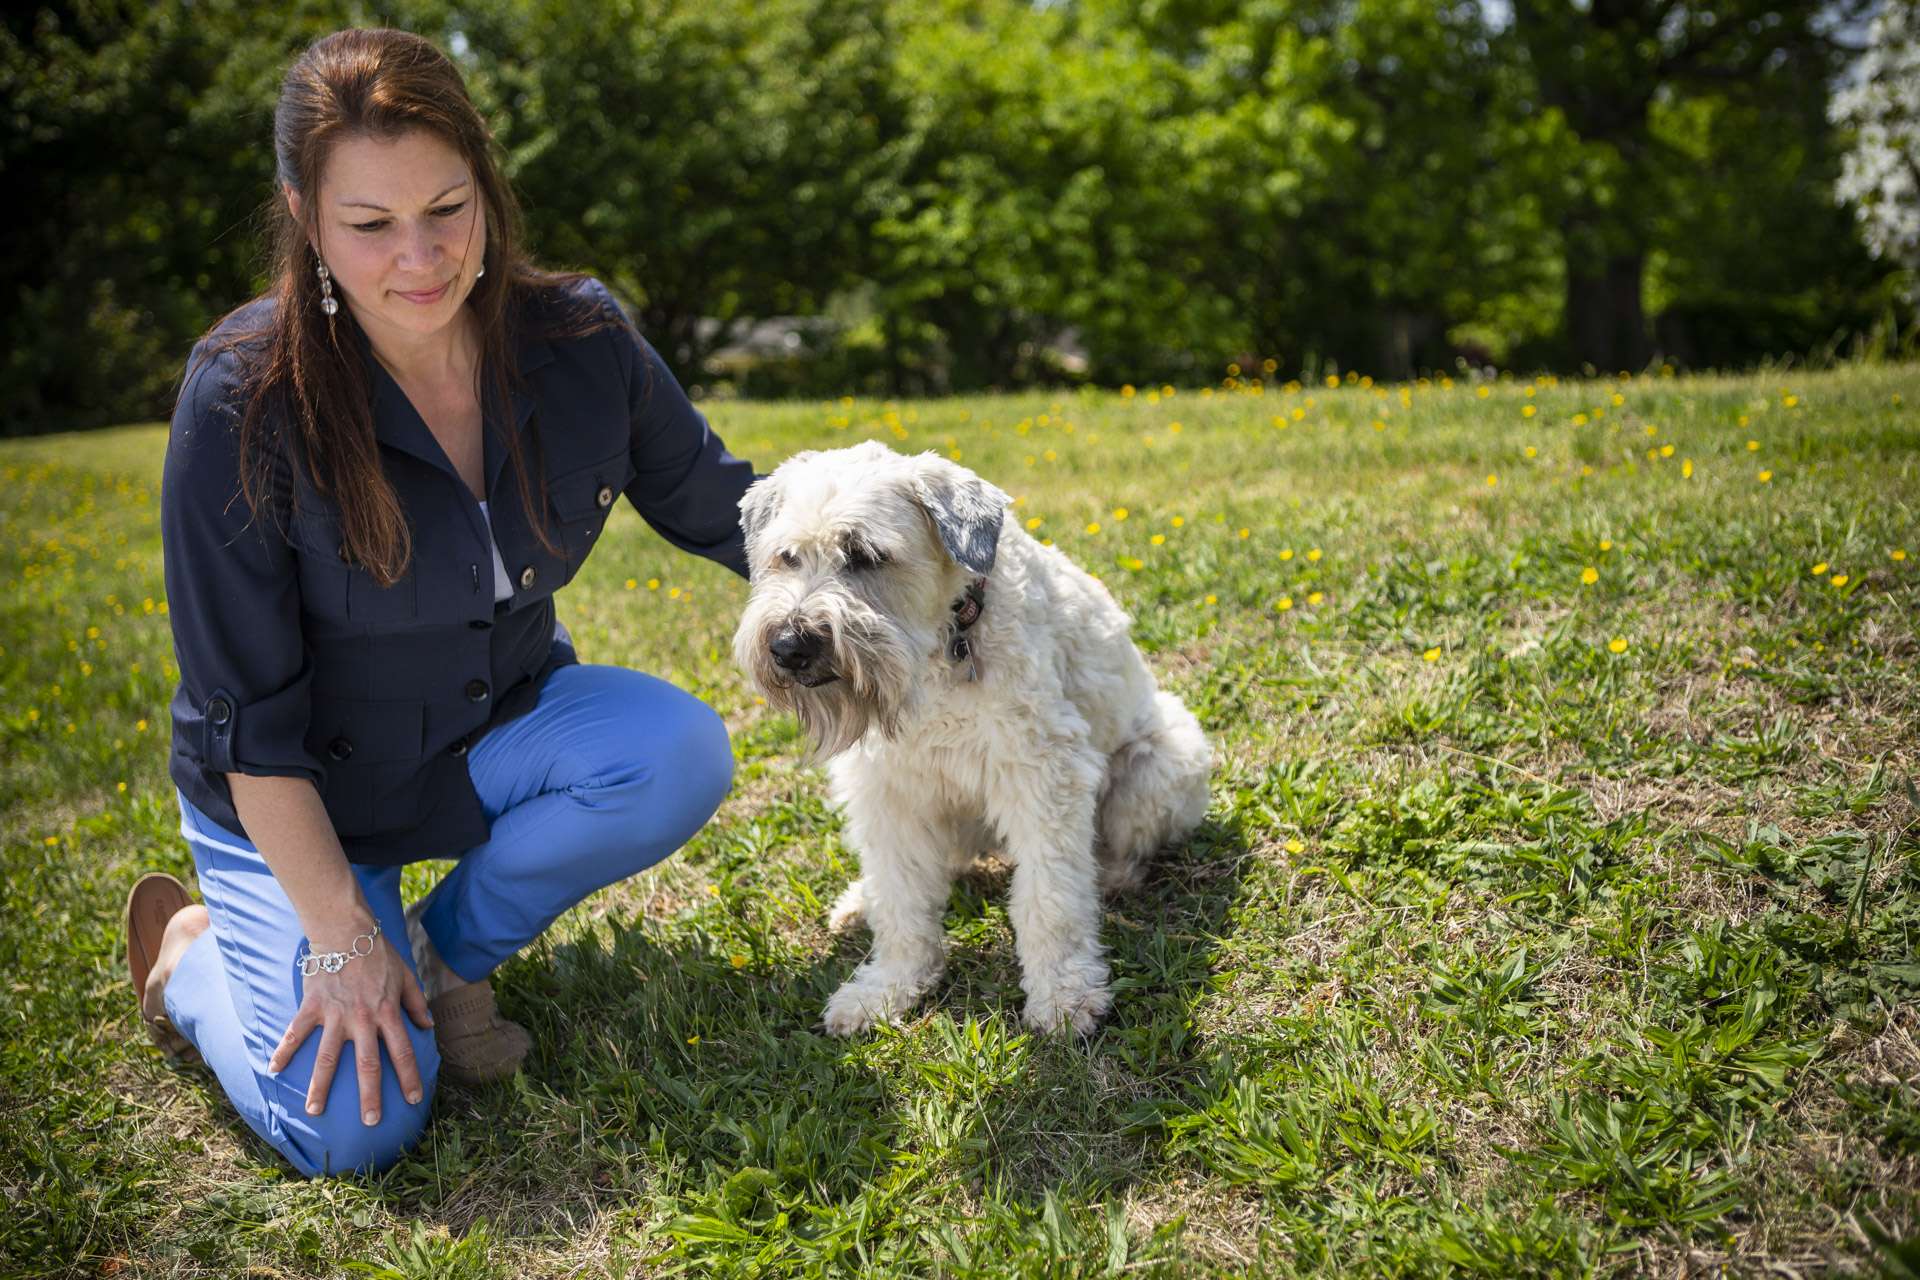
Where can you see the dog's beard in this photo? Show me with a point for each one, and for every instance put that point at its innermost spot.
(871, 660)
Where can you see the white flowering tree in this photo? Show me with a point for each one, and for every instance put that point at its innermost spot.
(1880, 174)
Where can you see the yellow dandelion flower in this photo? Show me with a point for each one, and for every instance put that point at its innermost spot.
(1652, 431)
(1119, 513)
(739, 961)
(1618, 644)
(1579, 419)
(633, 584)
(1127, 392)
(1492, 480)
(1174, 427)
(1618, 399)
(1766, 477)
(1606, 544)
(1897, 554)
(673, 593)
(1213, 599)
(1666, 451)
(1686, 468)
(1753, 446)
(1286, 553)
(1245, 534)
(139, 726)
(1432, 655)
(1051, 456)
(1177, 521)
(1093, 526)
(1283, 604)
(121, 787)
(1294, 846)
(1586, 470)
(1589, 575)
(1482, 392)
(1313, 553)
(1134, 562)
(1838, 579)
(1790, 401)
(1298, 414)
(1333, 380)
(1159, 538)
(1035, 522)
(51, 840)
(1315, 597)
(1280, 422)
(1819, 568)
(1532, 452)
(693, 1039)
(653, 584)
(1378, 425)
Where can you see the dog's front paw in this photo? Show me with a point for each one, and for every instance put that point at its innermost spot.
(1078, 1006)
(865, 1000)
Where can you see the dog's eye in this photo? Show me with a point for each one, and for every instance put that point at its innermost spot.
(859, 557)
(789, 559)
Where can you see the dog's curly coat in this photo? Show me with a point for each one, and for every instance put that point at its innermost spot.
(1036, 733)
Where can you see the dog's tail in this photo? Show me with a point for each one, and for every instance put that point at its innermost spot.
(1156, 792)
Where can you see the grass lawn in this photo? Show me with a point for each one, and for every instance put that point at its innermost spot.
(1555, 914)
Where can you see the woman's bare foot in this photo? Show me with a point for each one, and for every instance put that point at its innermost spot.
(187, 924)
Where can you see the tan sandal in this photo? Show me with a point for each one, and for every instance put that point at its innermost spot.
(152, 902)
(477, 1045)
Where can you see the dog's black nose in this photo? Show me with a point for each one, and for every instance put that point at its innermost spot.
(794, 650)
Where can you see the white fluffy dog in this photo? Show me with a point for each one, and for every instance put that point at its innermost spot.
(976, 692)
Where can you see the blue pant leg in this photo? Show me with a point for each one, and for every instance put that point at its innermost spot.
(612, 771)
(237, 988)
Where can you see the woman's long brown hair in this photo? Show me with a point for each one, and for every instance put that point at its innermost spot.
(306, 397)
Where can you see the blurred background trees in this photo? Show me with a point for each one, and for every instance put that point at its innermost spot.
(918, 196)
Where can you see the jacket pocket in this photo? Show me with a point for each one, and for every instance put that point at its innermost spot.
(371, 750)
(333, 586)
(582, 499)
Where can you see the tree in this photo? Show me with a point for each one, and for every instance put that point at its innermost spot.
(1604, 65)
(1880, 176)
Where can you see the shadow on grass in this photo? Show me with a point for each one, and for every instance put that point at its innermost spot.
(672, 1068)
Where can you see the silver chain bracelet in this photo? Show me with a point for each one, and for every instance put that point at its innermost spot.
(335, 961)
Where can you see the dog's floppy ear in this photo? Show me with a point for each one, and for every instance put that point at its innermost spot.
(757, 508)
(965, 509)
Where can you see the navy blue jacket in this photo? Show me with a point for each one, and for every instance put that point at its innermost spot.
(295, 663)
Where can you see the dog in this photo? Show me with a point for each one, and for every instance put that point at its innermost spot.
(973, 691)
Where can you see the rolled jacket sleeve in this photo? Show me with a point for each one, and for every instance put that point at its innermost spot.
(685, 483)
(233, 597)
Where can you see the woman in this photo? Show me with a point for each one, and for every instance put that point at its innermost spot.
(378, 474)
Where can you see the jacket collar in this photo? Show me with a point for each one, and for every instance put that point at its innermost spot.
(397, 424)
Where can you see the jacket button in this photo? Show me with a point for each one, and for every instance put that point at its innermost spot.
(526, 578)
(339, 748)
(605, 496)
(481, 624)
(219, 711)
(458, 749)
(476, 691)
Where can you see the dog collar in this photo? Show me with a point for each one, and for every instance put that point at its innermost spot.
(966, 612)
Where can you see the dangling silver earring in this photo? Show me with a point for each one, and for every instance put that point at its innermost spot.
(482, 271)
(328, 303)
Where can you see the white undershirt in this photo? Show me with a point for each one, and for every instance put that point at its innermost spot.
(502, 585)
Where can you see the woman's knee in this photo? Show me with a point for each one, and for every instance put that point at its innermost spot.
(339, 1140)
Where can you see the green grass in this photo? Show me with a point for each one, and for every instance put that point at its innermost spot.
(1538, 926)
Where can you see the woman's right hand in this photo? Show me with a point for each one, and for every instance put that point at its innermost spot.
(361, 1003)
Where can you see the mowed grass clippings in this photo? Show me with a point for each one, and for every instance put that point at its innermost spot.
(1555, 913)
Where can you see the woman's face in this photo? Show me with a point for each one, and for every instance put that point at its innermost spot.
(400, 228)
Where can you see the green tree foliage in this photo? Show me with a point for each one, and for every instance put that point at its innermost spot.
(969, 187)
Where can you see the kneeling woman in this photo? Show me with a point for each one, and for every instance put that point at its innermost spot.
(378, 475)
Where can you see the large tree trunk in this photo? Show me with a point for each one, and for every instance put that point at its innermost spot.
(1606, 324)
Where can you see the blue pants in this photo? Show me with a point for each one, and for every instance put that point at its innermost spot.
(612, 771)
